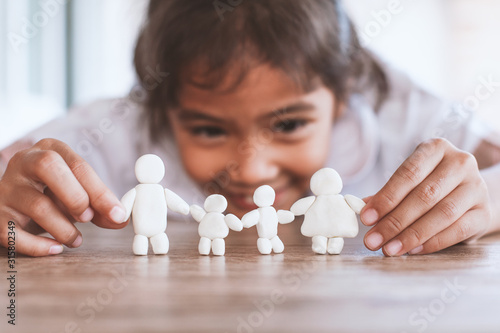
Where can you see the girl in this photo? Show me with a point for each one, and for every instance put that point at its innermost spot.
(264, 92)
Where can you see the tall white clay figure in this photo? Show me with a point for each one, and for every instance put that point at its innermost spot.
(148, 203)
(329, 216)
(214, 226)
(266, 218)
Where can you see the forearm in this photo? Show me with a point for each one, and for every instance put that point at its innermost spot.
(491, 176)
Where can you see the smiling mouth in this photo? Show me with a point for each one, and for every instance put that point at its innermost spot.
(242, 201)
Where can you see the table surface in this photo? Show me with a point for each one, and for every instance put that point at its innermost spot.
(103, 287)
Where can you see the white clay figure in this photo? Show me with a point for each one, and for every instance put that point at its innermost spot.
(214, 226)
(328, 215)
(266, 218)
(148, 203)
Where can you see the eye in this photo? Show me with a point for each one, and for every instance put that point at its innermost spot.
(208, 131)
(290, 125)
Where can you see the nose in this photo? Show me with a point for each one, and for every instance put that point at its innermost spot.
(256, 164)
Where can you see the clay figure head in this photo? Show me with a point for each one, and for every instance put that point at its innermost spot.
(264, 196)
(215, 203)
(149, 169)
(326, 181)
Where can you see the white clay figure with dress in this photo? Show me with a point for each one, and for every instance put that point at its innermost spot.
(328, 215)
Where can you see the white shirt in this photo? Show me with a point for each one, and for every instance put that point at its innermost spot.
(366, 146)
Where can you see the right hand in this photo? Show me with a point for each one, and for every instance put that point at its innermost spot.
(45, 189)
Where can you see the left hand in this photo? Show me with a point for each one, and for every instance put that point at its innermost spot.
(435, 199)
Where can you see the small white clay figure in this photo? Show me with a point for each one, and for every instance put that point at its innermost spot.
(329, 216)
(214, 226)
(148, 203)
(266, 218)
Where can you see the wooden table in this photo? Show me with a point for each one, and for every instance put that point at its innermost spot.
(103, 287)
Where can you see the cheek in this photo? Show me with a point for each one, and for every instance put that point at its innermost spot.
(300, 162)
(311, 155)
(208, 167)
(201, 164)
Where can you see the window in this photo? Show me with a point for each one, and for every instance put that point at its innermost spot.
(450, 47)
(57, 53)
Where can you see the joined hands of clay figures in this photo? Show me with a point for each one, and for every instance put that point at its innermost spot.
(328, 216)
(148, 203)
(214, 226)
(266, 218)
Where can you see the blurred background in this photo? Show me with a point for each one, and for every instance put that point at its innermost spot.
(59, 53)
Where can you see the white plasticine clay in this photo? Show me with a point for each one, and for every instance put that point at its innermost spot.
(148, 203)
(233, 222)
(266, 219)
(175, 202)
(285, 216)
(215, 203)
(214, 226)
(328, 215)
(149, 169)
(197, 212)
(301, 206)
(355, 203)
(264, 196)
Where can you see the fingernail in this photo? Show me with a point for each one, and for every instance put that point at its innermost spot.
(374, 240)
(78, 241)
(416, 250)
(56, 249)
(87, 215)
(369, 217)
(117, 214)
(393, 247)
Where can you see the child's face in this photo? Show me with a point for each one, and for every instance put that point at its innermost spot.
(267, 131)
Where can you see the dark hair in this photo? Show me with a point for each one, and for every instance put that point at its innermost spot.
(308, 39)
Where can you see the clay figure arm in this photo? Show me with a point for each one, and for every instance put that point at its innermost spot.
(355, 203)
(197, 212)
(285, 216)
(301, 206)
(233, 222)
(128, 202)
(175, 202)
(250, 219)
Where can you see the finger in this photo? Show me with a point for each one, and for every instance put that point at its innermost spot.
(462, 230)
(103, 222)
(46, 214)
(64, 210)
(101, 198)
(445, 213)
(60, 205)
(49, 168)
(36, 246)
(97, 219)
(417, 203)
(412, 172)
(8, 213)
(366, 199)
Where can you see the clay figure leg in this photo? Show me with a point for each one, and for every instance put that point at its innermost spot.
(277, 244)
(204, 246)
(140, 245)
(218, 247)
(335, 245)
(319, 244)
(160, 243)
(264, 245)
